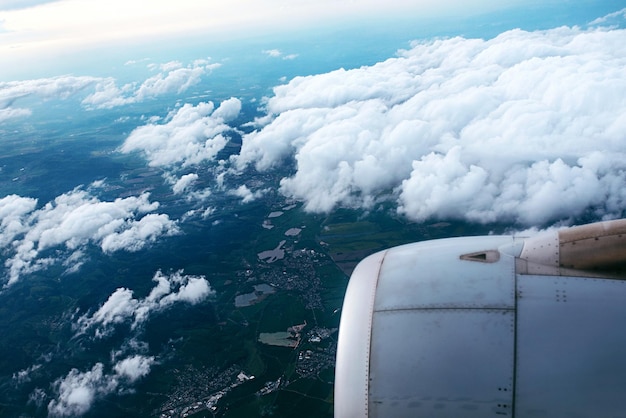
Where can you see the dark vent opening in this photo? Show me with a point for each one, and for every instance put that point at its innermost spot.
(489, 256)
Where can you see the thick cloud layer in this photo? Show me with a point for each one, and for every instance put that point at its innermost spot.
(190, 135)
(527, 127)
(122, 307)
(70, 222)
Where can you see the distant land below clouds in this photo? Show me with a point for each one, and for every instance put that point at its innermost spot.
(139, 196)
(526, 128)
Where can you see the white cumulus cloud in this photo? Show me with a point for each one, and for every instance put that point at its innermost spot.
(77, 391)
(277, 53)
(611, 18)
(137, 233)
(44, 88)
(526, 127)
(184, 183)
(172, 78)
(60, 87)
(105, 93)
(13, 211)
(70, 222)
(12, 113)
(122, 306)
(190, 135)
(134, 368)
(246, 194)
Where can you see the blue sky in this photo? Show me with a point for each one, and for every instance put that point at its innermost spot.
(42, 38)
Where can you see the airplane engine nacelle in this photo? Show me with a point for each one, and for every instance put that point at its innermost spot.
(488, 326)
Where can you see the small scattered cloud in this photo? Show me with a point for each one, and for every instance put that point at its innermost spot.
(133, 368)
(121, 307)
(276, 53)
(611, 18)
(246, 194)
(184, 183)
(69, 223)
(135, 62)
(77, 391)
(108, 95)
(208, 212)
(172, 78)
(526, 127)
(13, 113)
(13, 212)
(168, 66)
(45, 89)
(184, 186)
(24, 375)
(136, 234)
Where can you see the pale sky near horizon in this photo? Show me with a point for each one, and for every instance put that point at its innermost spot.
(36, 29)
